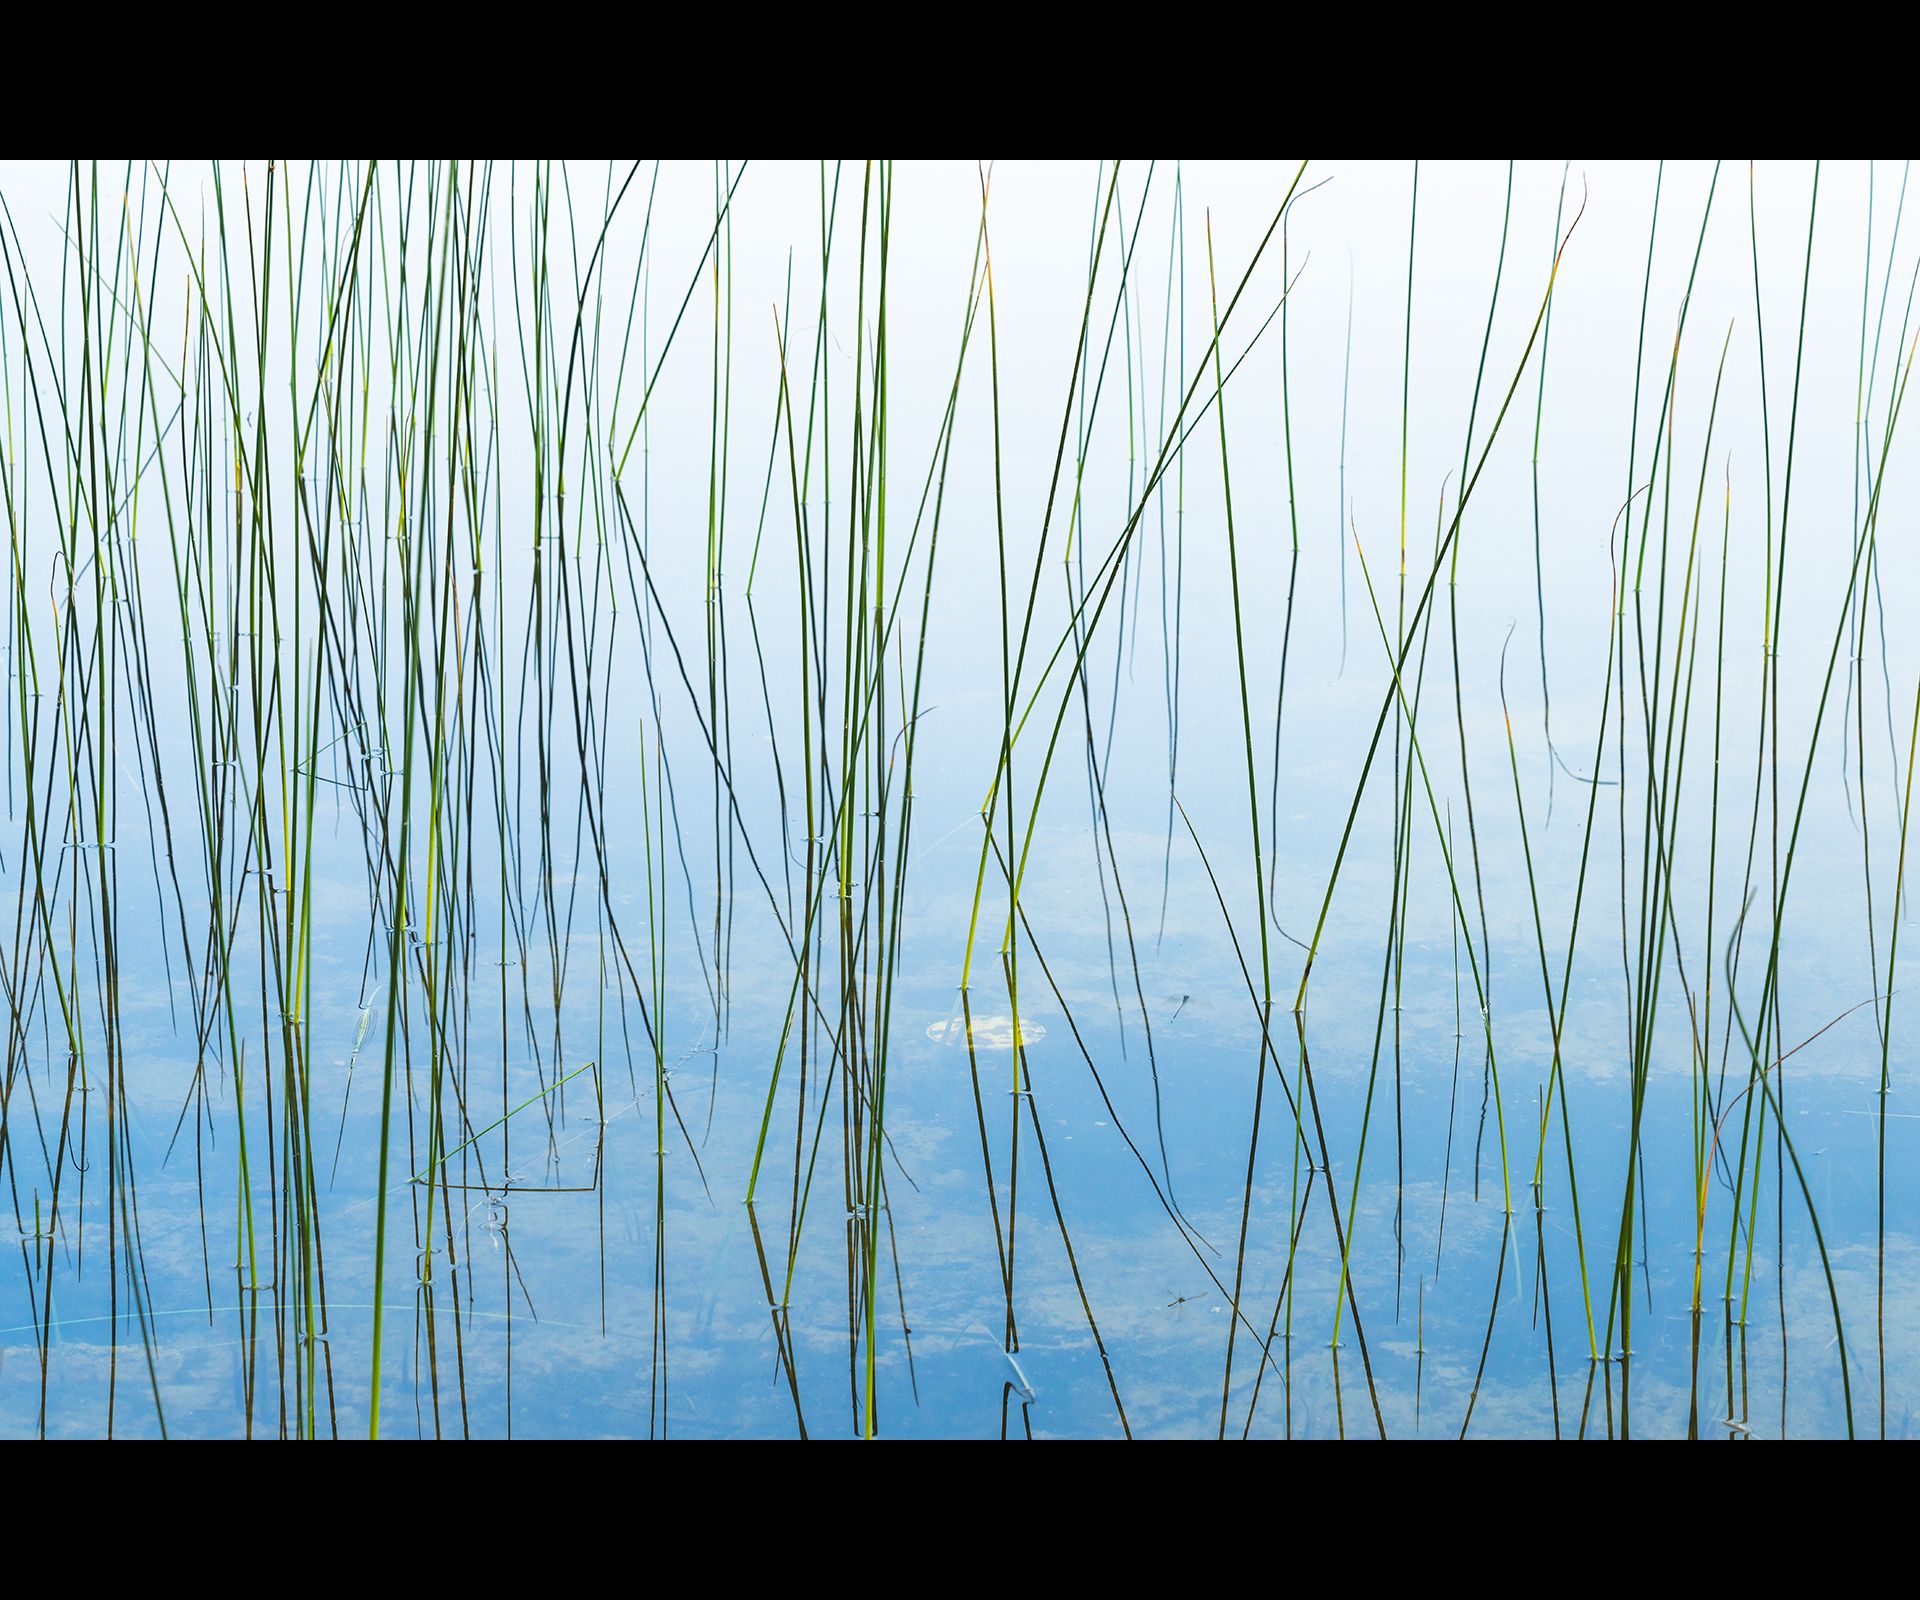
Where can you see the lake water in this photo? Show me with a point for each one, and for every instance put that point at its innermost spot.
(528, 687)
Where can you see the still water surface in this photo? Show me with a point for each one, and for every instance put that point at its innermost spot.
(500, 726)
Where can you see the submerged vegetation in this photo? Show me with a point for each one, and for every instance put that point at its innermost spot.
(557, 720)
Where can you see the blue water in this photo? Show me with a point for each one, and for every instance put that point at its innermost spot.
(1084, 1237)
